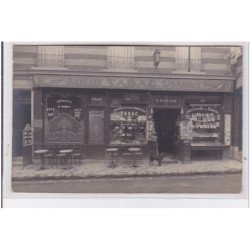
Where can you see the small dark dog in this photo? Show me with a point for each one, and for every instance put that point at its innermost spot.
(156, 157)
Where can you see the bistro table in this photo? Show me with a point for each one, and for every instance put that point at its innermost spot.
(67, 152)
(41, 152)
(112, 151)
(133, 151)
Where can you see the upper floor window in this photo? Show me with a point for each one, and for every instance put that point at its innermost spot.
(188, 59)
(120, 58)
(50, 56)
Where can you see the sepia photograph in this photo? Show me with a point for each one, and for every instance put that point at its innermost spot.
(127, 118)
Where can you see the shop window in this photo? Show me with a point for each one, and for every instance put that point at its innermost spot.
(63, 121)
(128, 124)
(96, 126)
(120, 58)
(205, 122)
(188, 59)
(50, 56)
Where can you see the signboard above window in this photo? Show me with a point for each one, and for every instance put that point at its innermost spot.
(165, 101)
(97, 100)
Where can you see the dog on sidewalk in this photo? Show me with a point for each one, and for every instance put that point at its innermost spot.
(156, 157)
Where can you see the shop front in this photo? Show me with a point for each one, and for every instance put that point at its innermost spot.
(184, 124)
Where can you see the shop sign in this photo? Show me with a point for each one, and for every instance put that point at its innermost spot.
(136, 83)
(27, 135)
(97, 100)
(165, 101)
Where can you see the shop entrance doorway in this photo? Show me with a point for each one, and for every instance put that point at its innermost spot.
(167, 130)
(21, 116)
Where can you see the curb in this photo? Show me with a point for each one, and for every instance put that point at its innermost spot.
(71, 177)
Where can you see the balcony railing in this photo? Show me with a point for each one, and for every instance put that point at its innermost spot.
(50, 60)
(188, 65)
(120, 63)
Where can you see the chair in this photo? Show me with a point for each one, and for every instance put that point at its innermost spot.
(125, 154)
(50, 156)
(76, 156)
(62, 157)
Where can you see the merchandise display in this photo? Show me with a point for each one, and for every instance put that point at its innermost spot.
(128, 125)
(206, 122)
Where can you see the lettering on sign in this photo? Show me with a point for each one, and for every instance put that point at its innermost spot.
(27, 135)
(97, 100)
(100, 82)
(165, 101)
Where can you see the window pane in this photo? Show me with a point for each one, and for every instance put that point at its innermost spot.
(63, 121)
(96, 126)
(128, 124)
(205, 121)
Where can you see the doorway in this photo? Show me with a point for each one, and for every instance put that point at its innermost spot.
(21, 116)
(167, 130)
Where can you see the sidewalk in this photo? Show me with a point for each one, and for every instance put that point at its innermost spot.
(99, 168)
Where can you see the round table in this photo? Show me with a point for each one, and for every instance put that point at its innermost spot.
(41, 152)
(112, 151)
(133, 151)
(66, 151)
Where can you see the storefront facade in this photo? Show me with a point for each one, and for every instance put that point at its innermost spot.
(101, 117)
(189, 115)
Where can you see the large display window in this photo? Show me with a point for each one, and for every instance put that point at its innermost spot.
(128, 124)
(205, 122)
(63, 119)
(128, 117)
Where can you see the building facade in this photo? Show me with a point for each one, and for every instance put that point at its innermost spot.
(188, 99)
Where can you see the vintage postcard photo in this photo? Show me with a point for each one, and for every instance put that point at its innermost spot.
(127, 118)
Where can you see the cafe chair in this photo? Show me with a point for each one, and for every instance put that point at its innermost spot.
(61, 158)
(139, 155)
(76, 155)
(50, 156)
(125, 155)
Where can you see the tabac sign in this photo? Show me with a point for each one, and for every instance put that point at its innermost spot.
(136, 83)
(165, 101)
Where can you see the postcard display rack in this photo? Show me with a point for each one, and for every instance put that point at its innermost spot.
(206, 122)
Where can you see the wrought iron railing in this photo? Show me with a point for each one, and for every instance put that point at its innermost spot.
(188, 65)
(120, 63)
(50, 60)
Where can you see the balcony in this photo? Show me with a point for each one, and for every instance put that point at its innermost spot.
(188, 65)
(50, 60)
(119, 63)
(201, 66)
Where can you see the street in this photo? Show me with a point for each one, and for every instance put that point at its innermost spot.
(221, 183)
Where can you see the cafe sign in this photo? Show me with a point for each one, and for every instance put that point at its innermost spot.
(165, 101)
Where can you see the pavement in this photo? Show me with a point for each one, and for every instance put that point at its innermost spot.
(100, 169)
